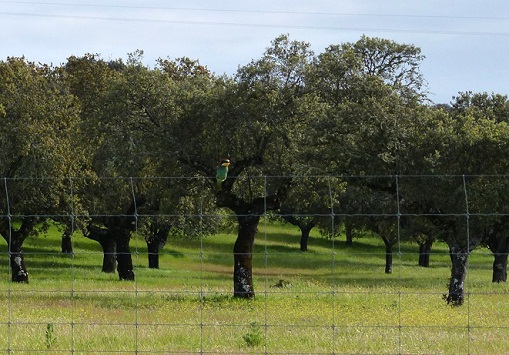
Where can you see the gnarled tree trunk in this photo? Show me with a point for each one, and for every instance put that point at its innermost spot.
(15, 239)
(243, 256)
(459, 259)
(109, 255)
(248, 216)
(122, 237)
(156, 241)
(107, 243)
(118, 231)
(19, 271)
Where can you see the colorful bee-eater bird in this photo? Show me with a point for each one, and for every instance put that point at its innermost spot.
(221, 173)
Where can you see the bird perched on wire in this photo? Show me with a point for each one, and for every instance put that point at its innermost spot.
(221, 173)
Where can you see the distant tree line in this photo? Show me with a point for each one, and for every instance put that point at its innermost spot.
(348, 135)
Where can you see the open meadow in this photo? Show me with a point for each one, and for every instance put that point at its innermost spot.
(332, 299)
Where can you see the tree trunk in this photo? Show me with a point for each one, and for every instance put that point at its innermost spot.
(459, 259)
(388, 255)
(122, 237)
(67, 243)
(248, 217)
(102, 236)
(109, 259)
(424, 252)
(15, 239)
(153, 254)
(114, 239)
(19, 272)
(388, 259)
(156, 241)
(499, 246)
(305, 225)
(349, 232)
(243, 257)
(500, 267)
(305, 231)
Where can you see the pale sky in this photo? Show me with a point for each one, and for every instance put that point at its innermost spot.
(465, 42)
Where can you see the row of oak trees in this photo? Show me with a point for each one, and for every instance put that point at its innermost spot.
(349, 135)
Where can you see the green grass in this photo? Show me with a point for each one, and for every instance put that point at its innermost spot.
(333, 299)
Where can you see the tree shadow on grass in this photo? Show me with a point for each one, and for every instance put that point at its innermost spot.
(172, 253)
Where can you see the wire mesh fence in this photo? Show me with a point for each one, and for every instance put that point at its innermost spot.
(391, 265)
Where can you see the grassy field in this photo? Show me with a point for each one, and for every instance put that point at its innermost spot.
(332, 299)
